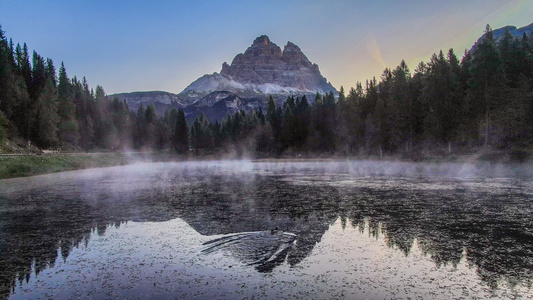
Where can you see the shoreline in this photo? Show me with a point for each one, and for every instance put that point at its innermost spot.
(25, 165)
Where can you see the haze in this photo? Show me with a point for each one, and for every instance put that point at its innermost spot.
(165, 45)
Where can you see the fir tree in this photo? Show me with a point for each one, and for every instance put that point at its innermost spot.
(201, 134)
(68, 126)
(485, 81)
(274, 119)
(180, 139)
(44, 131)
(2, 128)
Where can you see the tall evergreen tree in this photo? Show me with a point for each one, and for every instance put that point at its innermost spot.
(261, 116)
(180, 139)
(44, 131)
(23, 63)
(140, 129)
(68, 126)
(3, 133)
(201, 134)
(275, 120)
(401, 108)
(8, 80)
(486, 80)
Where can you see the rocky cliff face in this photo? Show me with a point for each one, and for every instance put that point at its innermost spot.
(263, 69)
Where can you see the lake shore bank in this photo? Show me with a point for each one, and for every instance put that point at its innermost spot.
(24, 165)
(30, 164)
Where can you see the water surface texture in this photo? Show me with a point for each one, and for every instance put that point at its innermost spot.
(237, 229)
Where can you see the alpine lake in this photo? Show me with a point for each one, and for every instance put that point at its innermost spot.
(270, 230)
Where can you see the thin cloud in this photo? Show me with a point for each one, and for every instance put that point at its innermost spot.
(373, 48)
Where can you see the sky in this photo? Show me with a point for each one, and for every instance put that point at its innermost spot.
(128, 46)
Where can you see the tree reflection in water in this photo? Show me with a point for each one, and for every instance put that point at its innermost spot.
(488, 220)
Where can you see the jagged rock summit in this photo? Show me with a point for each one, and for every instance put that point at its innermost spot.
(263, 69)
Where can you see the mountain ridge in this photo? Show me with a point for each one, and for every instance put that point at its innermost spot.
(263, 69)
(513, 30)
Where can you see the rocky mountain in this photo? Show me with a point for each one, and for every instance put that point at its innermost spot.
(263, 70)
(516, 32)
(217, 105)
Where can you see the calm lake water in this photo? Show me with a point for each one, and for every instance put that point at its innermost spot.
(241, 229)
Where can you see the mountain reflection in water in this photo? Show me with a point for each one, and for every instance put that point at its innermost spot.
(488, 220)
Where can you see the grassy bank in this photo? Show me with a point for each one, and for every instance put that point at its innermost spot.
(29, 165)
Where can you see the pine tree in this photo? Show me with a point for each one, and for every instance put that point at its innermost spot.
(526, 50)
(510, 58)
(44, 130)
(50, 71)
(150, 114)
(38, 76)
(120, 115)
(322, 136)
(342, 96)
(401, 108)
(301, 127)
(485, 82)
(68, 125)
(351, 115)
(290, 124)
(274, 119)
(261, 116)
(180, 139)
(23, 63)
(437, 95)
(201, 134)
(3, 133)
(8, 95)
(140, 129)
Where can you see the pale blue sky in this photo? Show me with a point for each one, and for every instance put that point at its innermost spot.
(130, 46)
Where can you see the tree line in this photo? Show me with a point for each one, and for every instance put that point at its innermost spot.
(444, 106)
(50, 110)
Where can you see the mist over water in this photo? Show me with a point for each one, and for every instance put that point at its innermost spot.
(226, 229)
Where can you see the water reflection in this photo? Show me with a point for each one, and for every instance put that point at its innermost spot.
(486, 220)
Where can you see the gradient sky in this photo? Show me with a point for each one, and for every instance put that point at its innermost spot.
(130, 46)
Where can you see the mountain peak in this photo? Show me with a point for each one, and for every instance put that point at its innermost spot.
(264, 69)
(261, 40)
(291, 47)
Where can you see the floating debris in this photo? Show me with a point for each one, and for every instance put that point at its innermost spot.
(263, 249)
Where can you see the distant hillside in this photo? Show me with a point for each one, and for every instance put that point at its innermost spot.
(162, 100)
